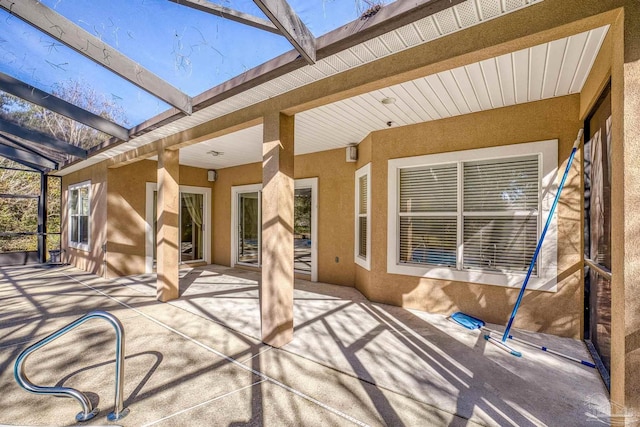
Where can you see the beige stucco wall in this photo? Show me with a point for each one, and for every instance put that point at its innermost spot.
(335, 210)
(560, 312)
(407, 293)
(127, 209)
(227, 178)
(625, 221)
(92, 260)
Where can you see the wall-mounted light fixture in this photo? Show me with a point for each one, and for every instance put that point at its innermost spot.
(352, 153)
(212, 175)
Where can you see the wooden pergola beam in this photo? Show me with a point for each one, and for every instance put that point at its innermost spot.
(51, 102)
(389, 18)
(231, 14)
(42, 139)
(65, 31)
(291, 26)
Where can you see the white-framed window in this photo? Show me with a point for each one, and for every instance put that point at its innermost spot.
(362, 228)
(246, 226)
(474, 216)
(79, 214)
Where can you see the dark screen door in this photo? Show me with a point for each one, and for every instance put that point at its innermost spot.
(597, 247)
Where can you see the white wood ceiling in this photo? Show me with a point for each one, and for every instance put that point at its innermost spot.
(545, 71)
(238, 148)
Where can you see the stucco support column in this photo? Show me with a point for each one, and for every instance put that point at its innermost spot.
(276, 289)
(168, 255)
(625, 229)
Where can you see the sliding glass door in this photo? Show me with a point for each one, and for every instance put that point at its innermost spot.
(194, 214)
(247, 226)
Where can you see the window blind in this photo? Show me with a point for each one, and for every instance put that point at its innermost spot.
(428, 215)
(362, 242)
(500, 227)
(500, 244)
(501, 185)
(362, 216)
(429, 189)
(363, 195)
(428, 240)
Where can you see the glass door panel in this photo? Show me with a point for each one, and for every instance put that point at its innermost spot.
(191, 233)
(249, 228)
(155, 226)
(302, 230)
(191, 229)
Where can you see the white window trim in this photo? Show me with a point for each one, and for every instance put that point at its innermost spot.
(547, 260)
(206, 221)
(364, 262)
(252, 188)
(81, 246)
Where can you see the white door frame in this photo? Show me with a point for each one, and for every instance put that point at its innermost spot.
(235, 192)
(311, 183)
(206, 221)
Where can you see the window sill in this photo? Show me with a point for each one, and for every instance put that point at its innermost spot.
(79, 247)
(363, 262)
(546, 283)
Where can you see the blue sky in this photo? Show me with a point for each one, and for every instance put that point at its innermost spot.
(192, 50)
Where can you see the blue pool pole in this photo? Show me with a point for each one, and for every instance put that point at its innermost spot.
(544, 232)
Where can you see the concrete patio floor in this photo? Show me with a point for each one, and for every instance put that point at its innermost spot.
(199, 361)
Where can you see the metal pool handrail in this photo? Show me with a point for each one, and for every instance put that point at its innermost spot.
(88, 412)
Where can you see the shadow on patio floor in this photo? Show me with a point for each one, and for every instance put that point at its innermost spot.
(199, 359)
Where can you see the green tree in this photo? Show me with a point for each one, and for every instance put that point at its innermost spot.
(21, 215)
(78, 93)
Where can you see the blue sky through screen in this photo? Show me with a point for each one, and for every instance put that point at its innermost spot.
(35, 58)
(192, 50)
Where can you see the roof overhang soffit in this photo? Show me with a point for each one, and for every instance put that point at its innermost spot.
(65, 31)
(43, 99)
